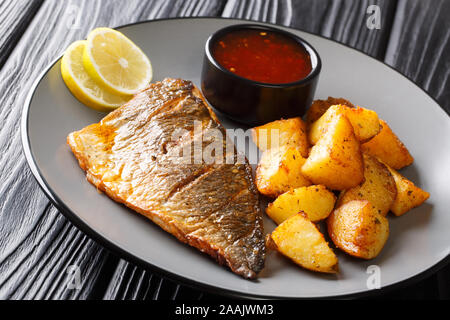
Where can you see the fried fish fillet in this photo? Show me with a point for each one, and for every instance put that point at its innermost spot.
(132, 156)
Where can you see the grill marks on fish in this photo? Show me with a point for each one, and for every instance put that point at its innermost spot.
(187, 182)
(130, 156)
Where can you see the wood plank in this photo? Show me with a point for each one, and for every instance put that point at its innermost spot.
(344, 21)
(15, 17)
(422, 53)
(41, 243)
(38, 244)
(132, 283)
(36, 269)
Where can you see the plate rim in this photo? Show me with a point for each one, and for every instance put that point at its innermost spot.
(120, 252)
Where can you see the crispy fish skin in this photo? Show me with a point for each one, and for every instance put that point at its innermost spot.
(129, 156)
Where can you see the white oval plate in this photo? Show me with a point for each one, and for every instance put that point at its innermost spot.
(419, 241)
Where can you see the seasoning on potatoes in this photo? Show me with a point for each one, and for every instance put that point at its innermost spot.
(299, 239)
(387, 147)
(358, 229)
(408, 196)
(378, 187)
(279, 171)
(336, 160)
(365, 123)
(291, 132)
(319, 107)
(316, 201)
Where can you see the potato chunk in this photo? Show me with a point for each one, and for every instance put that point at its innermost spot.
(316, 201)
(279, 171)
(388, 148)
(319, 107)
(365, 123)
(290, 132)
(358, 229)
(408, 196)
(299, 239)
(378, 187)
(336, 160)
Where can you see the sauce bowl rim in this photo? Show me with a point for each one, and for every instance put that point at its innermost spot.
(315, 69)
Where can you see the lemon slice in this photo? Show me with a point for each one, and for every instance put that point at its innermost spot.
(115, 62)
(82, 86)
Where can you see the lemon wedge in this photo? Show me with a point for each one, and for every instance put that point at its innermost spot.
(116, 63)
(82, 86)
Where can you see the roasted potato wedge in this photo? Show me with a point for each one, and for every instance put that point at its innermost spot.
(319, 107)
(336, 160)
(408, 196)
(358, 229)
(378, 187)
(365, 123)
(388, 148)
(290, 132)
(299, 239)
(316, 201)
(279, 171)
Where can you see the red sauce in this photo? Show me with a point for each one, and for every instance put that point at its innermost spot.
(262, 56)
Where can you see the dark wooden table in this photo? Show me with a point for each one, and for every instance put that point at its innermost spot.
(38, 244)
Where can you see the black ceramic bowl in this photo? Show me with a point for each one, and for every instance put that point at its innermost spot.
(252, 102)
